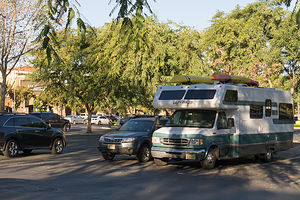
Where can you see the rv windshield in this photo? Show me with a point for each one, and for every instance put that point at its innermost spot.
(193, 118)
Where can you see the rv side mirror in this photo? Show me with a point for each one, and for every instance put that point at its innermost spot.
(230, 122)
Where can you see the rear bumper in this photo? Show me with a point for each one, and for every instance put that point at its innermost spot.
(184, 154)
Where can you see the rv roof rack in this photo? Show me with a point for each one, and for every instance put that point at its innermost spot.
(214, 79)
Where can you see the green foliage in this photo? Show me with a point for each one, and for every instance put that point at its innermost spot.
(19, 95)
(254, 42)
(296, 10)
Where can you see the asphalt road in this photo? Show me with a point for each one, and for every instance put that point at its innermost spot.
(81, 173)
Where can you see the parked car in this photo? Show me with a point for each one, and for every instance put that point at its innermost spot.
(84, 115)
(54, 120)
(74, 119)
(104, 120)
(95, 120)
(23, 132)
(133, 138)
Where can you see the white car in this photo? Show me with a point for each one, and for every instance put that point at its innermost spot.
(95, 120)
(84, 115)
(74, 119)
(103, 120)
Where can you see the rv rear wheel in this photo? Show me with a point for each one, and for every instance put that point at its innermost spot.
(210, 161)
(267, 157)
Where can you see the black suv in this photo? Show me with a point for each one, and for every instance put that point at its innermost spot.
(26, 132)
(54, 120)
(133, 138)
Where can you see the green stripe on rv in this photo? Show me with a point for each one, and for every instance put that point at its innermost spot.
(234, 138)
(247, 103)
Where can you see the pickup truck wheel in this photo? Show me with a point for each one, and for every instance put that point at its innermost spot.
(144, 154)
(160, 161)
(210, 161)
(11, 149)
(108, 156)
(58, 146)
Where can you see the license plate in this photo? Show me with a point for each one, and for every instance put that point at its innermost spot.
(111, 146)
(190, 156)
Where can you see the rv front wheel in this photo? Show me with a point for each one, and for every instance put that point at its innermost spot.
(210, 161)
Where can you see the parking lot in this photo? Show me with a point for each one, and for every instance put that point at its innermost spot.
(81, 173)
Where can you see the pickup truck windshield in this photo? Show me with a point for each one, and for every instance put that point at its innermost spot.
(193, 118)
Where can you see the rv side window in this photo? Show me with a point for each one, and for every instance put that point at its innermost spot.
(200, 94)
(222, 121)
(171, 95)
(268, 106)
(286, 111)
(231, 96)
(256, 111)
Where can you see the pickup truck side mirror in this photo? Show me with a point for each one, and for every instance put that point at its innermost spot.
(230, 123)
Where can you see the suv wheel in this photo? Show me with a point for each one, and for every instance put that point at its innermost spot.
(11, 149)
(108, 156)
(144, 153)
(99, 122)
(58, 146)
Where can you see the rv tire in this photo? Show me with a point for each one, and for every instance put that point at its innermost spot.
(210, 161)
(267, 157)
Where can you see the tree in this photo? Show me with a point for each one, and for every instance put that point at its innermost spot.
(244, 42)
(17, 21)
(137, 69)
(74, 74)
(19, 95)
(296, 10)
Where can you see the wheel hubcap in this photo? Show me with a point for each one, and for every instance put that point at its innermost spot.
(210, 159)
(59, 146)
(269, 155)
(13, 149)
(146, 153)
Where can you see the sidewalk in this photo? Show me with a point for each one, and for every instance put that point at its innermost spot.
(96, 130)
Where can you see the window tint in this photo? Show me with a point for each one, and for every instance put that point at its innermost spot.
(22, 121)
(171, 95)
(222, 121)
(231, 96)
(286, 111)
(256, 111)
(34, 122)
(200, 94)
(268, 106)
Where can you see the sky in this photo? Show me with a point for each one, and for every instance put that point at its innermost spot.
(193, 13)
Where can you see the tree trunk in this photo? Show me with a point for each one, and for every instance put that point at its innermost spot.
(3, 92)
(89, 124)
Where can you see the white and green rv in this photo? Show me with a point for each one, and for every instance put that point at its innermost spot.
(222, 121)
